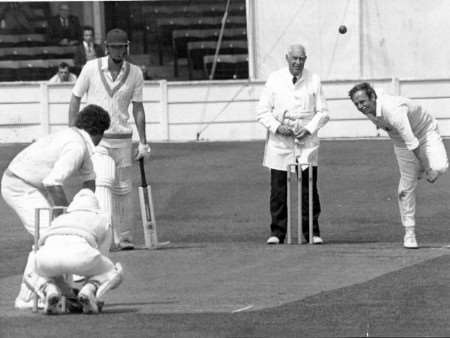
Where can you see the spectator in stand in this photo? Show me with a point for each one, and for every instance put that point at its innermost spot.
(64, 29)
(15, 18)
(63, 75)
(88, 50)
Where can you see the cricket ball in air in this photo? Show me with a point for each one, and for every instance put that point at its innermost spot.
(342, 29)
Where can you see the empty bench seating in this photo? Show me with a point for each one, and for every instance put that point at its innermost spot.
(198, 49)
(37, 52)
(17, 40)
(227, 66)
(181, 37)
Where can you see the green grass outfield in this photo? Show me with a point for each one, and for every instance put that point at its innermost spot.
(219, 279)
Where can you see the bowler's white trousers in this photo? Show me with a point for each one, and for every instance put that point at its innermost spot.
(432, 148)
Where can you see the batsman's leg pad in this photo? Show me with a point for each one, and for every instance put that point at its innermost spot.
(105, 171)
(123, 203)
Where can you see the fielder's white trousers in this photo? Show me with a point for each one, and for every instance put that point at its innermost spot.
(432, 148)
(68, 254)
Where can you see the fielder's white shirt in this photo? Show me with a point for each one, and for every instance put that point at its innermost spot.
(53, 158)
(90, 225)
(405, 121)
(302, 103)
(96, 81)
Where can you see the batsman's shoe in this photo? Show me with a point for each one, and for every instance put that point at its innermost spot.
(125, 244)
(52, 298)
(409, 241)
(87, 298)
(273, 240)
(113, 282)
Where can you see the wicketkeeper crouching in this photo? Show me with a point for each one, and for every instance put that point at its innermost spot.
(77, 242)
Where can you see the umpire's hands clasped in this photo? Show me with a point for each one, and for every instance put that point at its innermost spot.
(143, 151)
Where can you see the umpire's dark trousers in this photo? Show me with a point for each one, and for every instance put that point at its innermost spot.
(278, 203)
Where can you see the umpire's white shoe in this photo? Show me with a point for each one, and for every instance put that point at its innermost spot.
(273, 240)
(52, 298)
(409, 241)
(87, 298)
(317, 240)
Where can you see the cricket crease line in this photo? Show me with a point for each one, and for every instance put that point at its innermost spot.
(243, 309)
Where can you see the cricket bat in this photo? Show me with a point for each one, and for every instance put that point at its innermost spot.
(147, 212)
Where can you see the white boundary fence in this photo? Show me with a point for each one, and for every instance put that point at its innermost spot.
(214, 110)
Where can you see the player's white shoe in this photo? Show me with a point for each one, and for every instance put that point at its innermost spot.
(409, 241)
(87, 298)
(273, 240)
(52, 298)
(25, 298)
(317, 240)
(113, 282)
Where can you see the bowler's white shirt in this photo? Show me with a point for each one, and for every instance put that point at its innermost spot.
(405, 121)
(53, 158)
(303, 103)
(114, 96)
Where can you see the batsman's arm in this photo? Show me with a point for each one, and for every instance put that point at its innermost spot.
(74, 108)
(139, 118)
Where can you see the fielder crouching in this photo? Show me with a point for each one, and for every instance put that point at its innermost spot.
(77, 243)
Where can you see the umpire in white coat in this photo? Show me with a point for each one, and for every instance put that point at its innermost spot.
(293, 108)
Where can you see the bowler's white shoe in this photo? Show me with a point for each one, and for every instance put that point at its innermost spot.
(409, 241)
(52, 298)
(87, 298)
(317, 240)
(273, 240)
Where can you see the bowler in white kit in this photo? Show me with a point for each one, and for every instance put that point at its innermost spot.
(418, 146)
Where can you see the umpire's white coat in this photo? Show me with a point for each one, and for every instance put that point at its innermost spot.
(302, 105)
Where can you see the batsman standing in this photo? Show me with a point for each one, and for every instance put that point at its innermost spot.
(112, 82)
(417, 145)
(292, 108)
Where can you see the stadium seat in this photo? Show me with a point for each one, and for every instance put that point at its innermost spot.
(198, 49)
(8, 70)
(33, 70)
(165, 27)
(180, 39)
(227, 66)
(36, 52)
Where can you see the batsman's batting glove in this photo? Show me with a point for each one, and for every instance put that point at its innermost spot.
(143, 150)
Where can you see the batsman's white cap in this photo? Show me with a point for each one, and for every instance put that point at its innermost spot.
(84, 200)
